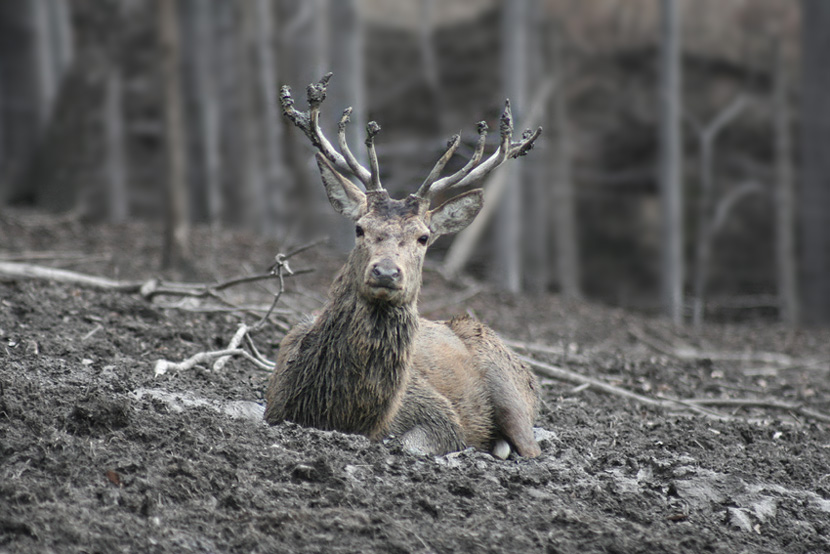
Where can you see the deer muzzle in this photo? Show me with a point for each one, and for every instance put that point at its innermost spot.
(385, 274)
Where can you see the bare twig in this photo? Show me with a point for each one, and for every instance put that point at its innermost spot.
(163, 366)
(686, 352)
(697, 405)
(29, 271)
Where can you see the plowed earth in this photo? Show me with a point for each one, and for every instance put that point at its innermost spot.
(99, 455)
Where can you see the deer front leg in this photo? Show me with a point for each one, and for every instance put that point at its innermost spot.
(426, 422)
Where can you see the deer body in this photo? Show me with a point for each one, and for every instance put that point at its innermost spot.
(368, 363)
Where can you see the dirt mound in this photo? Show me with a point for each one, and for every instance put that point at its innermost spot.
(98, 455)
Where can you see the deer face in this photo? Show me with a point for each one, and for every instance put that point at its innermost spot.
(390, 242)
(392, 236)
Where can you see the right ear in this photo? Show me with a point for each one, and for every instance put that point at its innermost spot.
(345, 197)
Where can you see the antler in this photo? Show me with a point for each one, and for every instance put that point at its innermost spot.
(309, 123)
(472, 172)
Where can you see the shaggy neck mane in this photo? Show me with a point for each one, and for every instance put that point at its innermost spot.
(357, 355)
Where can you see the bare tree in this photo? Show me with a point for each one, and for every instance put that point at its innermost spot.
(271, 130)
(785, 241)
(566, 233)
(508, 257)
(671, 161)
(45, 52)
(429, 59)
(705, 218)
(115, 146)
(176, 251)
(815, 174)
(210, 113)
(255, 198)
(537, 177)
(346, 58)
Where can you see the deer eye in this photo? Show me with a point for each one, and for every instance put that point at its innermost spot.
(423, 239)
(358, 231)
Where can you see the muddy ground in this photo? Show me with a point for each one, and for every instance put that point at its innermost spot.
(99, 455)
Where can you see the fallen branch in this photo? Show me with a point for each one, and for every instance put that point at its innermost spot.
(685, 352)
(768, 404)
(163, 366)
(244, 332)
(29, 271)
(532, 347)
(697, 405)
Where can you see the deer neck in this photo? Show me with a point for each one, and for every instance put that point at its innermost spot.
(362, 352)
(379, 335)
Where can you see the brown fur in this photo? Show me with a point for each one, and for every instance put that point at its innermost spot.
(368, 364)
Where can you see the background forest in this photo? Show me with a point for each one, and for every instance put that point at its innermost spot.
(683, 164)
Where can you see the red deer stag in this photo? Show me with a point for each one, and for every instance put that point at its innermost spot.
(368, 363)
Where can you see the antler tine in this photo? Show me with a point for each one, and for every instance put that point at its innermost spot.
(359, 171)
(452, 146)
(507, 149)
(372, 129)
(445, 183)
(309, 123)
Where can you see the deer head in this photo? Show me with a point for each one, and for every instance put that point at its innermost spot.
(392, 235)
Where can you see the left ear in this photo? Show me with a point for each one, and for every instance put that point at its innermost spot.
(455, 214)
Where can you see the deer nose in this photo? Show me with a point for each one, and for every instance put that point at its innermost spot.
(386, 273)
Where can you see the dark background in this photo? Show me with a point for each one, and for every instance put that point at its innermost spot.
(117, 110)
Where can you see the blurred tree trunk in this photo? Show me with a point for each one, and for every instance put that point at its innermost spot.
(671, 161)
(429, 61)
(255, 197)
(208, 100)
(785, 217)
(537, 168)
(566, 232)
(815, 183)
(115, 146)
(176, 250)
(45, 58)
(507, 271)
(707, 135)
(277, 212)
(114, 128)
(348, 88)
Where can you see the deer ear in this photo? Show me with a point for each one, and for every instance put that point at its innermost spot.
(345, 197)
(455, 214)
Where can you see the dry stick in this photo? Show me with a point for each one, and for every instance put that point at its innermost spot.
(244, 331)
(236, 340)
(148, 289)
(771, 404)
(29, 271)
(163, 366)
(531, 347)
(686, 352)
(697, 405)
(281, 264)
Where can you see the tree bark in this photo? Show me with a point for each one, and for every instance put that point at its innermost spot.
(507, 270)
(176, 250)
(45, 58)
(815, 182)
(255, 197)
(277, 212)
(785, 217)
(566, 233)
(671, 162)
(706, 207)
(346, 56)
(210, 113)
(115, 146)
